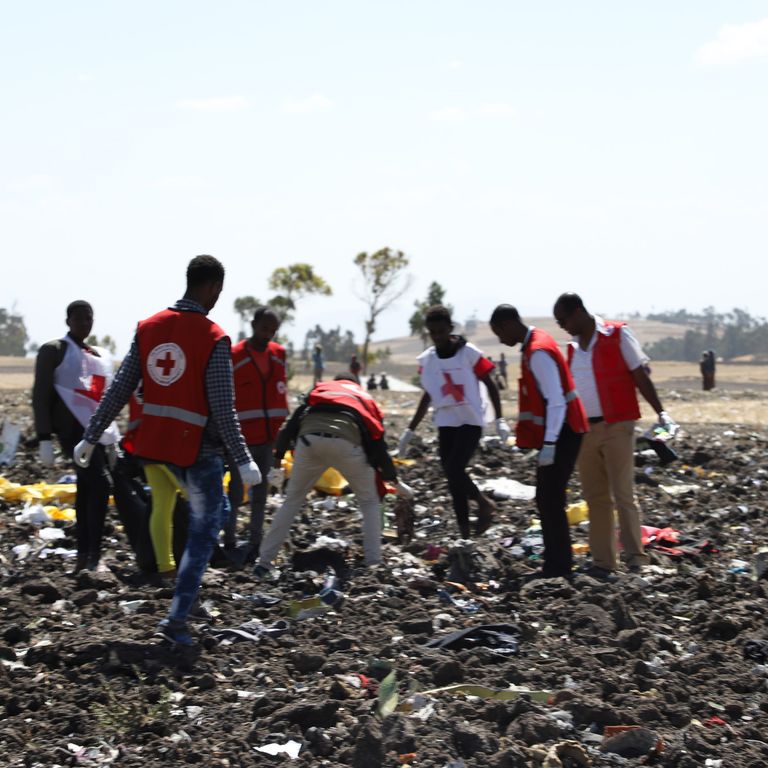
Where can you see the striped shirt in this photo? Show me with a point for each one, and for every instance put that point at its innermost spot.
(222, 429)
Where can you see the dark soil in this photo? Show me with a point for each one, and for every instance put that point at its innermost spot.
(84, 682)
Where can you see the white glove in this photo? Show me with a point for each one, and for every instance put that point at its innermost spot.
(250, 473)
(276, 477)
(82, 453)
(503, 430)
(668, 423)
(45, 451)
(547, 455)
(112, 455)
(405, 440)
(403, 490)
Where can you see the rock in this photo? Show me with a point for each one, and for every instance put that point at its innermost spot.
(98, 581)
(369, 749)
(447, 672)
(593, 620)
(533, 728)
(511, 757)
(320, 743)
(306, 714)
(398, 735)
(587, 711)
(43, 588)
(86, 597)
(637, 742)
(307, 661)
(420, 625)
(205, 682)
(16, 634)
(631, 639)
(469, 739)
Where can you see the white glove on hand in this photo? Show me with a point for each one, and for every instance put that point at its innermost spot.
(82, 453)
(276, 477)
(405, 439)
(403, 490)
(503, 430)
(250, 473)
(45, 452)
(668, 423)
(547, 455)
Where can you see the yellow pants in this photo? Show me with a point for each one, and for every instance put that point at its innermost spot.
(165, 488)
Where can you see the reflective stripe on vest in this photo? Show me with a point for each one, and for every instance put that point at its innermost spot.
(528, 416)
(133, 424)
(262, 414)
(572, 395)
(172, 412)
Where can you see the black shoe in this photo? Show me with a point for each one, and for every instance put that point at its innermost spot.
(175, 635)
(601, 574)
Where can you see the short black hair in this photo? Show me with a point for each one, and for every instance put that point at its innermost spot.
(345, 377)
(204, 269)
(438, 314)
(569, 302)
(504, 312)
(79, 304)
(261, 312)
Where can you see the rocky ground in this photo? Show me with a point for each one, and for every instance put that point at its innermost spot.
(84, 683)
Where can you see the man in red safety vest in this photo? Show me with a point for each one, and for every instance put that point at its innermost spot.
(608, 366)
(341, 426)
(261, 400)
(552, 420)
(188, 419)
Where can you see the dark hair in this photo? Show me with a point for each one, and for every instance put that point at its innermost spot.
(204, 269)
(569, 302)
(261, 312)
(438, 314)
(504, 312)
(345, 377)
(79, 304)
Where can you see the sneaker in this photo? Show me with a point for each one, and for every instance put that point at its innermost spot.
(261, 572)
(174, 635)
(601, 574)
(199, 611)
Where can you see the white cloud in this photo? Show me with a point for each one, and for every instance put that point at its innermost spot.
(218, 104)
(314, 103)
(735, 42)
(178, 183)
(455, 64)
(487, 110)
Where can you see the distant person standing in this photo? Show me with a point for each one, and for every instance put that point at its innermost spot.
(318, 363)
(70, 380)
(383, 381)
(451, 372)
(552, 420)
(188, 418)
(371, 384)
(707, 367)
(608, 367)
(261, 400)
(355, 367)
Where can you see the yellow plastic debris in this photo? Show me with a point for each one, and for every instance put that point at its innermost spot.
(577, 513)
(331, 481)
(42, 492)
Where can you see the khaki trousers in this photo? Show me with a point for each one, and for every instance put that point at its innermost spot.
(606, 467)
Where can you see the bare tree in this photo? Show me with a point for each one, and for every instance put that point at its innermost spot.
(384, 282)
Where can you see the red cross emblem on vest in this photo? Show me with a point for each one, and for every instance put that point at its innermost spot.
(95, 388)
(456, 391)
(166, 363)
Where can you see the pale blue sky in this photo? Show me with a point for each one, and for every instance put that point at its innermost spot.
(512, 150)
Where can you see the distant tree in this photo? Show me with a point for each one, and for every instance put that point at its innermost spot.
(384, 282)
(435, 295)
(245, 306)
(336, 346)
(13, 334)
(293, 282)
(106, 341)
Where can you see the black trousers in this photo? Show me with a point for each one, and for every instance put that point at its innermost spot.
(551, 483)
(457, 444)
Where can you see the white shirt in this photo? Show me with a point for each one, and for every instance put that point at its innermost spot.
(584, 374)
(544, 370)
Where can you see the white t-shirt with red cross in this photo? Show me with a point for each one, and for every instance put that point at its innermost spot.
(453, 384)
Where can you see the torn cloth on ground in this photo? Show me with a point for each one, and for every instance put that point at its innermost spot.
(252, 631)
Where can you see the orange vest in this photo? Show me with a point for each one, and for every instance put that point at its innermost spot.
(175, 348)
(260, 401)
(347, 394)
(531, 423)
(615, 385)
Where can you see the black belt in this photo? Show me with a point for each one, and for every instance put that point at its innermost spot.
(322, 434)
(595, 419)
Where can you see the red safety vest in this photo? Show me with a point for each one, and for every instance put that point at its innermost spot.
(531, 422)
(352, 396)
(615, 385)
(260, 401)
(134, 420)
(175, 348)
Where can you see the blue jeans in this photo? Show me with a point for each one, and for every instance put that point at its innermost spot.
(208, 511)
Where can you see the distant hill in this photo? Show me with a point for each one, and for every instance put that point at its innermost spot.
(406, 348)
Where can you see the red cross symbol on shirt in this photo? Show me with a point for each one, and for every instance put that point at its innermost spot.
(451, 388)
(167, 364)
(95, 389)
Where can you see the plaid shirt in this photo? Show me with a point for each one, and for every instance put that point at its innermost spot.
(223, 428)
